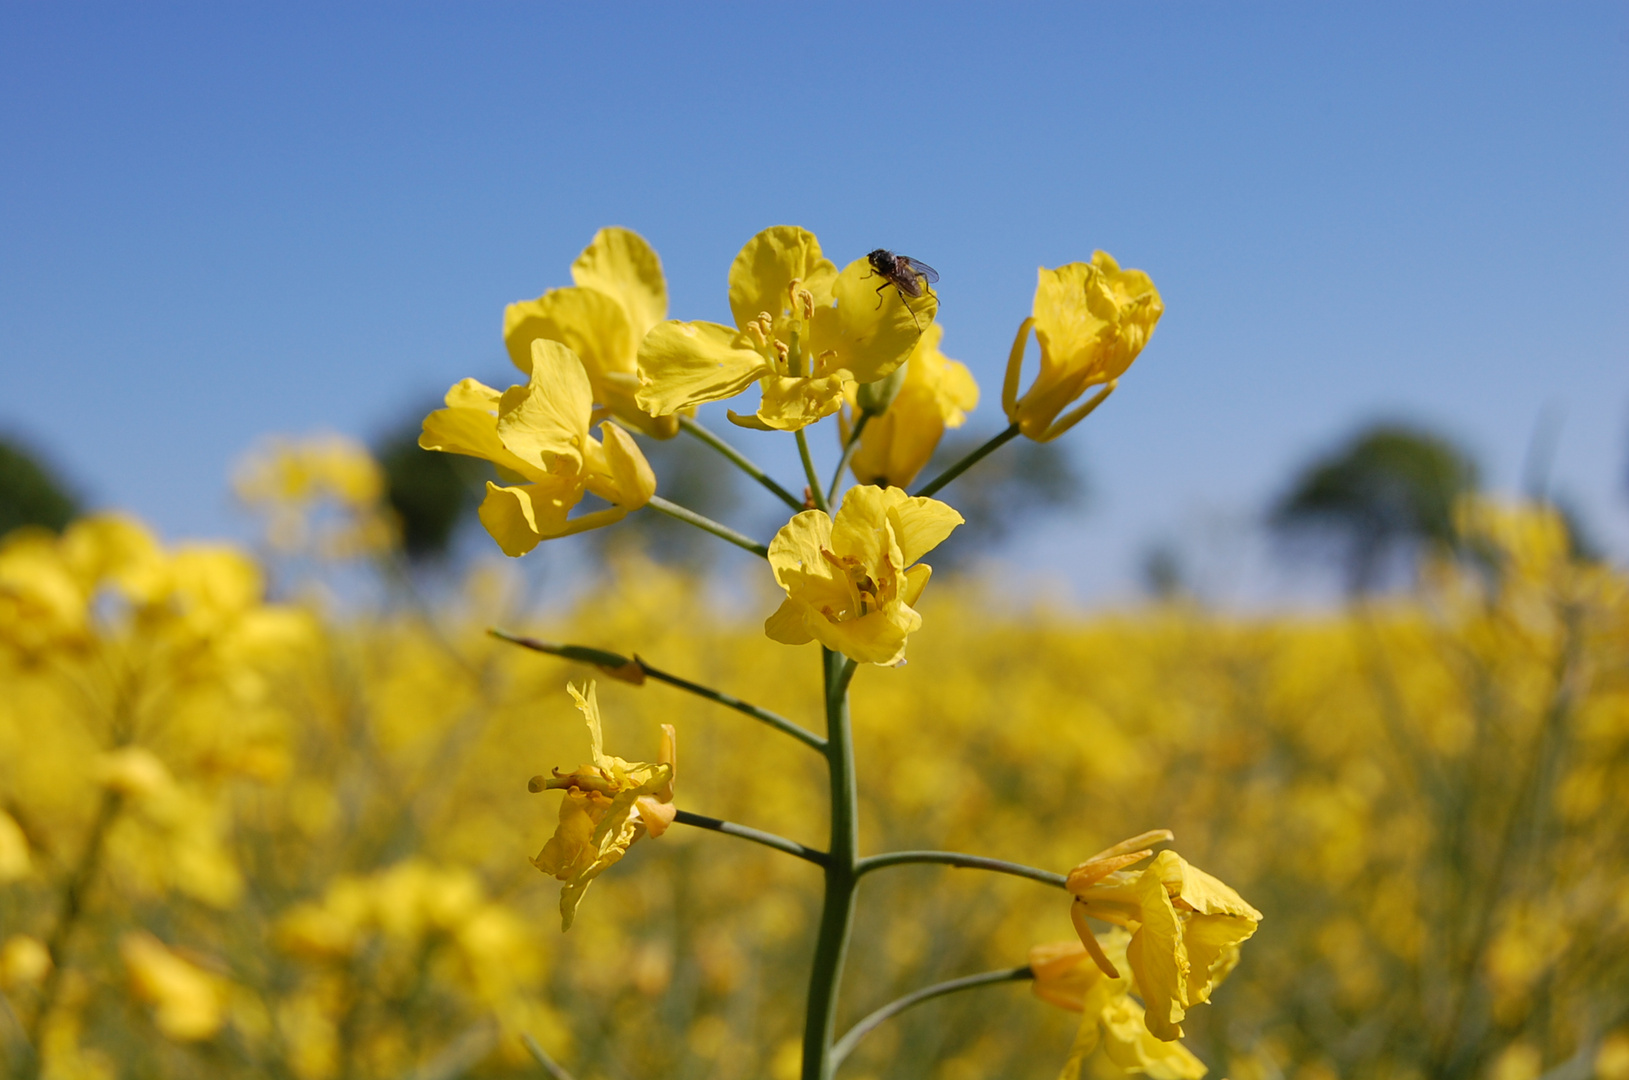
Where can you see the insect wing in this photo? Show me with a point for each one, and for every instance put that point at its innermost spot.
(920, 269)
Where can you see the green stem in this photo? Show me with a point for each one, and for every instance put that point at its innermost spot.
(846, 1044)
(757, 836)
(741, 461)
(932, 486)
(723, 532)
(816, 492)
(848, 452)
(550, 1066)
(631, 669)
(837, 912)
(957, 859)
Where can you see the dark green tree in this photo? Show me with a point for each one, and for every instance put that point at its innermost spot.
(432, 493)
(30, 492)
(1384, 495)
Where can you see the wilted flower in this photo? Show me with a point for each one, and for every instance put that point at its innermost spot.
(852, 583)
(1186, 926)
(619, 295)
(802, 331)
(539, 433)
(1091, 320)
(1110, 1019)
(608, 805)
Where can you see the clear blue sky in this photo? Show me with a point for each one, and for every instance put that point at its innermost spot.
(227, 220)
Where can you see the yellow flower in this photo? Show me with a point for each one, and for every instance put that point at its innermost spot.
(608, 805)
(937, 394)
(1186, 926)
(851, 583)
(619, 295)
(539, 434)
(188, 1002)
(1091, 320)
(802, 331)
(1109, 1018)
(322, 492)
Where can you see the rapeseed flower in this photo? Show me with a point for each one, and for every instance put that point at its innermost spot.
(1091, 320)
(852, 583)
(803, 332)
(618, 295)
(188, 1002)
(937, 393)
(608, 805)
(539, 433)
(1110, 1019)
(1186, 926)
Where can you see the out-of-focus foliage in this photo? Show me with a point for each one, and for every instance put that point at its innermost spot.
(243, 839)
(30, 493)
(431, 494)
(1388, 492)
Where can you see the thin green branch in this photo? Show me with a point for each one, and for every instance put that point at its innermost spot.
(723, 532)
(972, 459)
(816, 492)
(757, 836)
(550, 1066)
(957, 859)
(846, 1044)
(741, 461)
(849, 444)
(636, 670)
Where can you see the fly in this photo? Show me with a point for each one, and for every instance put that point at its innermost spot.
(909, 277)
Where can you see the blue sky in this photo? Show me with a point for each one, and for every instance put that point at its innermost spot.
(223, 221)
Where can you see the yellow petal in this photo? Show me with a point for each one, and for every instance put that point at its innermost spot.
(920, 524)
(799, 546)
(545, 423)
(790, 404)
(761, 275)
(868, 333)
(626, 479)
(916, 579)
(1128, 1044)
(688, 363)
(787, 624)
(588, 322)
(1159, 959)
(877, 638)
(469, 425)
(519, 517)
(620, 263)
(1213, 951)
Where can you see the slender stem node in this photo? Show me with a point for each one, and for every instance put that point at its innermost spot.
(957, 859)
(741, 461)
(723, 532)
(636, 670)
(757, 836)
(816, 492)
(972, 459)
(848, 1042)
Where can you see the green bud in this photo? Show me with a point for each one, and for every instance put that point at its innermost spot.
(875, 397)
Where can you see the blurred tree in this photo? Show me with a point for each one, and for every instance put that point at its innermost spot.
(432, 493)
(1162, 572)
(1385, 494)
(1003, 493)
(30, 493)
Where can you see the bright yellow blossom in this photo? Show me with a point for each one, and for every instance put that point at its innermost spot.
(188, 1002)
(937, 394)
(608, 805)
(1091, 320)
(1186, 926)
(852, 583)
(539, 433)
(619, 295)
(1110, 1019)
(803, 332)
